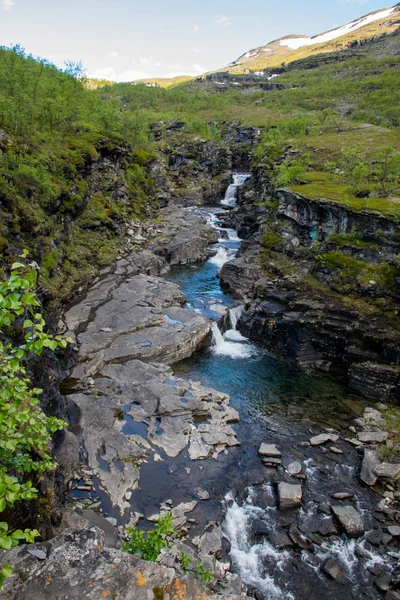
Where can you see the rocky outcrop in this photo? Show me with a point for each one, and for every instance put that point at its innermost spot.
(78, 565)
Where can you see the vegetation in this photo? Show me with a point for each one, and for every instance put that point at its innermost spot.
(25, 431)
(149, 545)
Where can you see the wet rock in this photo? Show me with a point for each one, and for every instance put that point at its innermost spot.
(349, 519)
(289, 495)
(372, 437)
(67, 454)
(392, 595)
(322, 438)
(294, 468)
(332, 568)
(280, 539)
(202, 494)
(370, 461)
(342, 495)
(269, 450)
(374, 537)
(383, 582)
(388, 471)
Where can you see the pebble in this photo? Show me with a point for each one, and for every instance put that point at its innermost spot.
(336, 450)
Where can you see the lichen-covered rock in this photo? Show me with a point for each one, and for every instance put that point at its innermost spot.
(76, 566)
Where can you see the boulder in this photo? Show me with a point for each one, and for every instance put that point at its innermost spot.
(294, 468)
(372, 437)
(350, 520)
(269, 450)
(332, 568)
(388, 471)
(289, 495)
(322, 438)
(370, 461)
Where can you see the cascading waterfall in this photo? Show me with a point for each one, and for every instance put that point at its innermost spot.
(231, 192)
(232, 343)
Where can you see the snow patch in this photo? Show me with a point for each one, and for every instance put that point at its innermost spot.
(296, 43)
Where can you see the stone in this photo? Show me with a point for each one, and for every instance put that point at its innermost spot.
(392, 595)
(322, 438)
(350, 520)
(202, 494)
(78, 564)
(388, 471)
(269, 450)
(294, 468)
(383, 581)
(280, 539)
(342, 495)
(332, 568)
(289, 495)
(336, 450)
(370, 461)
(394, 530)
(372, 437)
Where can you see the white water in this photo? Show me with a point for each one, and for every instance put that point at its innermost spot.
(231, 192)
(221, 257)
(254, 563)
(232, 343)
(232, 235)
(234, 315)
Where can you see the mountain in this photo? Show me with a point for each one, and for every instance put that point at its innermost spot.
(295, 47)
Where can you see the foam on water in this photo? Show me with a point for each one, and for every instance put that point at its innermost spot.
(250, 560)
(221, 257)
(226, 347)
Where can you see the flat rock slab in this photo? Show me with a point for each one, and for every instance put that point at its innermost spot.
(350, 520)
(370, 461)
(289, 495)
(269, 450)
(77, 565)
(322, 438)
(372, 437)
(388, 471)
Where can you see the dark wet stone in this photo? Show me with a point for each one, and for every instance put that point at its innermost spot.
(383, 582)
(332, 568)
(374, 537)
(392, 595)
(349, 519)
(386, 539)
(280, 539)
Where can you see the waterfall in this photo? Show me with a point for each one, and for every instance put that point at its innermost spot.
(221, 257)
(232, 343)
(231, 192)
(232, 235)
(235, 314)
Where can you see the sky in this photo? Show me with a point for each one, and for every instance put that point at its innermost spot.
(123, 40)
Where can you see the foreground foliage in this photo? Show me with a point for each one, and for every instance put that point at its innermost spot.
(25, 431)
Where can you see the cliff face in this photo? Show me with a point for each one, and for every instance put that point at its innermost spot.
(321, 285)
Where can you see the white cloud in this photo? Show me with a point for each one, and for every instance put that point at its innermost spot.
(223, 20)
(7, 4)
(146, 60)
(110, 74)
(113, 54)
(197, 70)
(196, 27)
(196, 50)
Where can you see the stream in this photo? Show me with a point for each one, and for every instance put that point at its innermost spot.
(280, 554)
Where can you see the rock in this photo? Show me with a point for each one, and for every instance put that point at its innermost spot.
(383, 582)
(370, 461)
(289, 495)
(67, 454)
(336, 450)
(332, 568)
(392, 595)
(78, 564)
(269, 450)
(350, 520)
(183, 508)
(280, 539)
(388, 471)
(342, 495)
(322, 438)
(374, 537)
(394, 530)
(202, 494)
(372, 437)
(294, 468)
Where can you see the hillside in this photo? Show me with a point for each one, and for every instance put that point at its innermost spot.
(295, 47)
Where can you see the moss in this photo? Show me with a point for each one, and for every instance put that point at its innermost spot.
(323, 185)
(352, 240)
(271, 239)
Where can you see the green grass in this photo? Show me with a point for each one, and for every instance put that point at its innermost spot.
(323, 185)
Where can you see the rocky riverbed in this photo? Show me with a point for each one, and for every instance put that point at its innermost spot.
(294, 506)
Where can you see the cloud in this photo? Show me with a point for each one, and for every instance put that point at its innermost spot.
(196, 27)
(146, 60)
(223, 20)
(196, 50)
(110, 74)
(113, 54)
(7, 4)
(197, 70)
